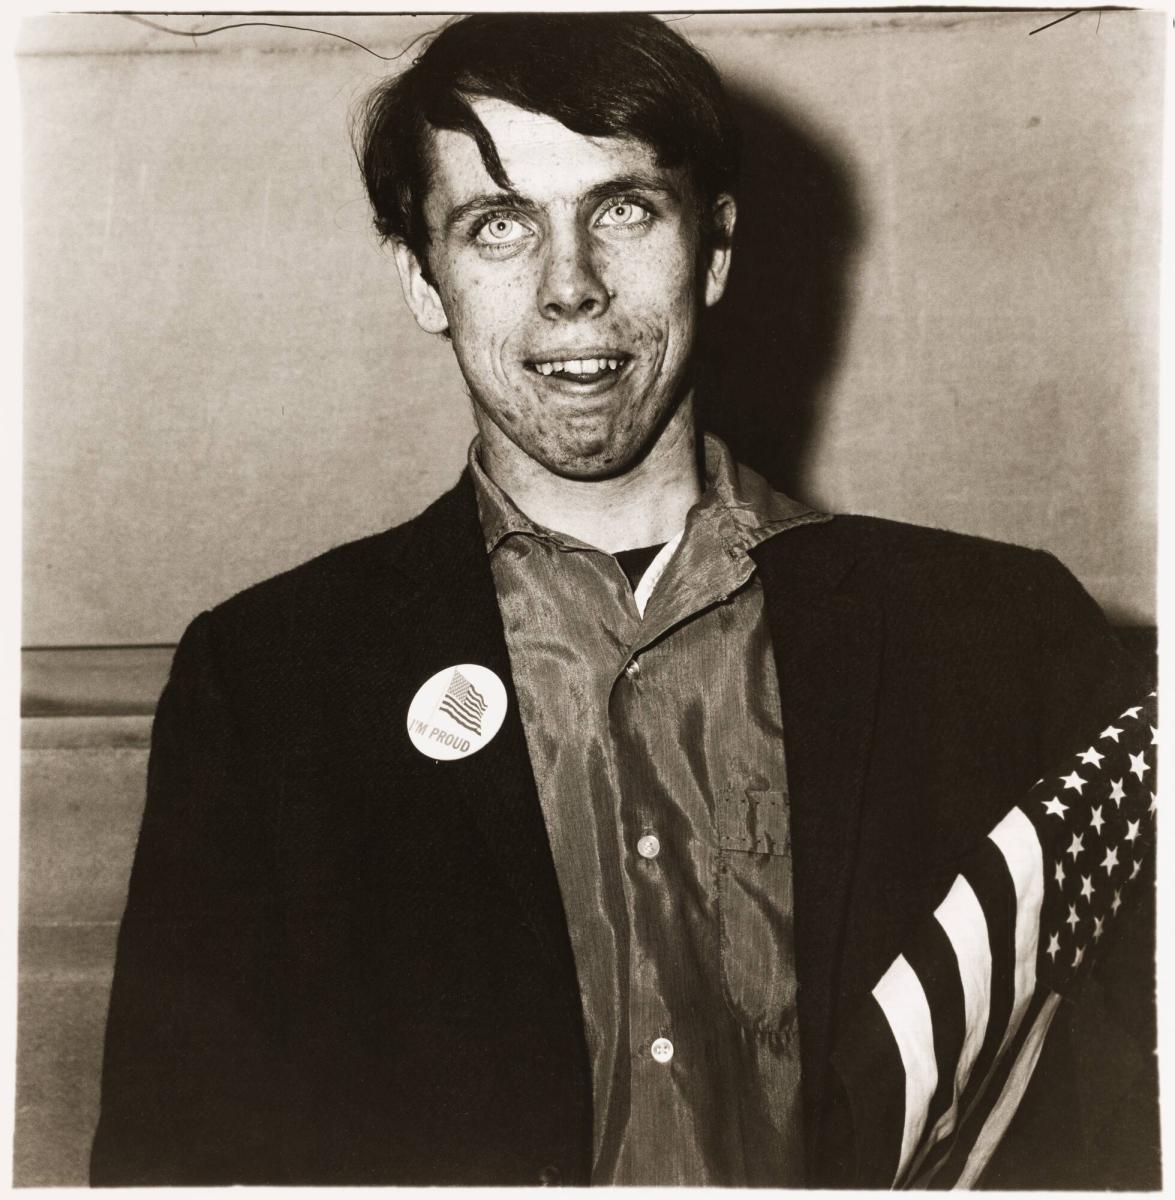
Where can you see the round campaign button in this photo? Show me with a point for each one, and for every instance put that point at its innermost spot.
(456, 712)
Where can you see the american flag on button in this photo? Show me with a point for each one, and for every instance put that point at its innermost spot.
(942, 1052)
(464, 703)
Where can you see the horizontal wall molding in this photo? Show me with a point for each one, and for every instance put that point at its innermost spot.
(96, 732)
(93, 681)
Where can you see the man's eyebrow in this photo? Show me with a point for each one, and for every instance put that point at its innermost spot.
(487, 202)
(633, 181)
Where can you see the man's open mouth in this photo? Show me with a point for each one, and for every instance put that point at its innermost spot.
(581, 370)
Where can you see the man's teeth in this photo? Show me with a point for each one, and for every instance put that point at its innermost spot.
(578, 366)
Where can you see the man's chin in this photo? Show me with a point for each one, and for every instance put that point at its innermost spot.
(592, 462)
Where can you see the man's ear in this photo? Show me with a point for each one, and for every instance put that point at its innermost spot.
(422, 298)
(722, 220)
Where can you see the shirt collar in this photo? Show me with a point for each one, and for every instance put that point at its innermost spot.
(740, 505)
(501, 517)
(742, 508)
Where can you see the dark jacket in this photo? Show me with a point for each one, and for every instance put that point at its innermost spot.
(344, 963)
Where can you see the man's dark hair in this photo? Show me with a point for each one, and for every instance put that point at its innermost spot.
(600, 74)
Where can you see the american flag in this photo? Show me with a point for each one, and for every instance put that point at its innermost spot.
(464, 703)
(941, 1054)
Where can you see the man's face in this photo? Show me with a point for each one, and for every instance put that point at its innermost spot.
(573, 300)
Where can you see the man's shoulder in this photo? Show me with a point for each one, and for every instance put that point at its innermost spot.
(876, 553)
(938, 591)
(880, 539)
(402, 552)
(393, 565)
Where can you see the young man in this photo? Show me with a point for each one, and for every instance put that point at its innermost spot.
(559, 834)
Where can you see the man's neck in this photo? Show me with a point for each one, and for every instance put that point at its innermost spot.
(642, 507)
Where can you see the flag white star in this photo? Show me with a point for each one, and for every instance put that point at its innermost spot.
(1116, 792)
(1074, 781)
(1117, 901)
(1055, 807)
(1132, 713)
(1111, 859)
(1138, 765)
(1096, 820)
(1132, 830)
(1154, 736)
(1154, 803)
(1072, 920)
(1078, 956)
(1110, 731)
(1059, 873)
(1086, 886)
(1053, 947)
(1098, 923)
(1091, 756)
(1136, 867)
(1076, 845)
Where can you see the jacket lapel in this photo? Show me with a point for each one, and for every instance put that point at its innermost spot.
(827, 642)
(462, 623)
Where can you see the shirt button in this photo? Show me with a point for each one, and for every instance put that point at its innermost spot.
(662, 1050)
(649, 847)
(633, 669)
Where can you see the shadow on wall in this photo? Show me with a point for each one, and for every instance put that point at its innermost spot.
(773, 343)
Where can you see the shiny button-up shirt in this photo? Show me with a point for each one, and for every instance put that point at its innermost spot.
(652, 720)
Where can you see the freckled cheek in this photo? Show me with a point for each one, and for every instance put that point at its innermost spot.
(658, 300)
(486, 329)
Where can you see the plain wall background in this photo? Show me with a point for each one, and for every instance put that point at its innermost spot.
(945, 310)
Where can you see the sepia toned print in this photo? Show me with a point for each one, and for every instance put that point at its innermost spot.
(586, 824)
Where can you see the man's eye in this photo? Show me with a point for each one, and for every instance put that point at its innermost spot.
(501, 231)
(624, 212)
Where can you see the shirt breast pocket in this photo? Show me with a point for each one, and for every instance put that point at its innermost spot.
(756, 942)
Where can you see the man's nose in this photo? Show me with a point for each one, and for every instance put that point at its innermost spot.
(571, 283)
